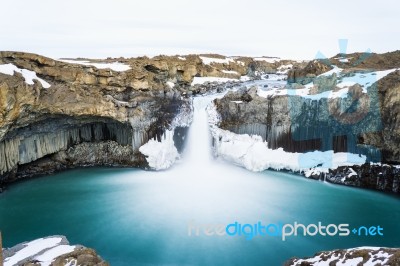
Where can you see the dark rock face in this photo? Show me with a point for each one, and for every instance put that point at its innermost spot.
(364, 124)
(388, 138)
(79, 121)
(371, 176)
(383, 61)
(295, 123)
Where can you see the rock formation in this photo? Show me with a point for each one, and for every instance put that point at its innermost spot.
(359, 119)
(54, 250)
(355, 256)
(58, 114)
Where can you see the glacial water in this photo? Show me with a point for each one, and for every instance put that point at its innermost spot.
(136, 217)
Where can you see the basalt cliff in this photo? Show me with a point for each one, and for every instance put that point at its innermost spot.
(343, 107)
(59, 114)
(334, 119)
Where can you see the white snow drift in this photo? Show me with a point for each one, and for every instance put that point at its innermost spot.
(44, 250)
(116, 66)
(28, 75)
(253, 153)
(161, 155)
(202, 80)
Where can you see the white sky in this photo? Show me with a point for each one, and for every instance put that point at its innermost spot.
(286, 28)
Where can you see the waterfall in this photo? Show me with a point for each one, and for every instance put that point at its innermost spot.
(198, 150)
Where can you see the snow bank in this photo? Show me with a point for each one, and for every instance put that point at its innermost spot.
(253, 153)
(230, 72)
(161, 155)
(49, 256)
(209, 60)
(116, 66)
(44, 250)
(245, 78)
(284, 69)
(28, 75)
(202, 80)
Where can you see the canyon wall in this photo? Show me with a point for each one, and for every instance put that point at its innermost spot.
(365, 125)
(86, 117)
(58, 114)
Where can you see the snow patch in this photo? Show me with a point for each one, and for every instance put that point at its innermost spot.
(210, 60)
(363, 79)
(230, 72)
(284, 69)
(116, 66)
(267, 59)
(244, 78)
(49, 256)
(32, 248)
(161, 155)
(343, 259)
(28, 75)
(202, 80)
(253, 153)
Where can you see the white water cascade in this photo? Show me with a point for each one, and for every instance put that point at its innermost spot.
(198, 150)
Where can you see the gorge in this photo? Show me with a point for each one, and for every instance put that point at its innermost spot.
(143, 115)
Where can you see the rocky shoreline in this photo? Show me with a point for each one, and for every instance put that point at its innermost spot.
(355, 256)
(53, 250)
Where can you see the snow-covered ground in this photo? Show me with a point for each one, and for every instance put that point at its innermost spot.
(363, 79)
(116, 66)
(202, 80)
(284, 69)
(161, 155)
(209, 60)
(230, 72)
(43, 250)
(170, 84)
(376, 256)
(28, 75)
(267, 59)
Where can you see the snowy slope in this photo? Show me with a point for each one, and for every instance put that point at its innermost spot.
(43, 250)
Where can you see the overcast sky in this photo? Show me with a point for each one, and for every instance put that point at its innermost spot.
(287, 28)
